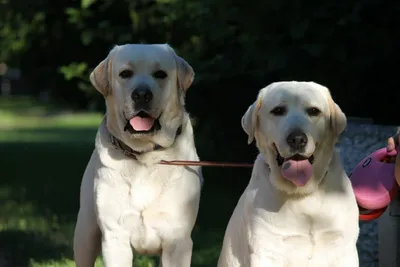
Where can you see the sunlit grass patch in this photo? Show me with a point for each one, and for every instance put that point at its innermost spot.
(21, 104)
(66, 120)
(21, 112)
(142, 262)
(22, 121)
(61, 263)
(24, 217)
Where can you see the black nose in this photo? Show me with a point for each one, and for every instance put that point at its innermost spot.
(297, 140)
(142, 94)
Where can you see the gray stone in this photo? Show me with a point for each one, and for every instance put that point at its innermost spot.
(358, 140)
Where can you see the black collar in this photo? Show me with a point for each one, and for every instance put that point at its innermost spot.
(129, 152)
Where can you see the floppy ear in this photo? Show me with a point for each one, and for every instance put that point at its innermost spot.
(184, 71)
(250, 119)
(100, 77)
(338, 118)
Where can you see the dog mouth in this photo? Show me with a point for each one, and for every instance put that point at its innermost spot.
(143, 123)
(297, 168)
(297, 157)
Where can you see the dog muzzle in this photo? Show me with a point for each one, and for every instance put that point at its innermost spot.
(297, 169)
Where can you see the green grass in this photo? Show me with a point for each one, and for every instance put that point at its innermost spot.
(43, 153)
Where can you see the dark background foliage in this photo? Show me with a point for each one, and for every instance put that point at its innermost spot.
(235, 47)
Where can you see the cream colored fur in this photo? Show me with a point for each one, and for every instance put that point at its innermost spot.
(275, 223)
(128, 203)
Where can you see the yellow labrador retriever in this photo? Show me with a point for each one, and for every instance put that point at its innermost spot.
(298, 209)
(127, 199)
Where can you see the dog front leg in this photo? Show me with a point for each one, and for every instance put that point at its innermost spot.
(116, 250)
(177, 254)
(86, 239)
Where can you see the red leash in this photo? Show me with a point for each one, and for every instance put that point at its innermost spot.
(205, 163)
(364, 215)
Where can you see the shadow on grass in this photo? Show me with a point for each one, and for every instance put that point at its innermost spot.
(39, 192)
(18, 248)
(39, 196)
(46, 174)
(48, 136)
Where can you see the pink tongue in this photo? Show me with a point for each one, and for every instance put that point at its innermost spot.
(141, 124)
(298, 172)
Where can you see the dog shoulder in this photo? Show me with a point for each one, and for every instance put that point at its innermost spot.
(260, 193)
(336, 177)
(260, 168)
(260, 174)
(338, 192)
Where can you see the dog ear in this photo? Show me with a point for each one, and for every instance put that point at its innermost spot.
(337, 117)
(250, 119)
(184, 71)
(101, 75)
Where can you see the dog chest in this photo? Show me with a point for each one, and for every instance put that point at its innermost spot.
(144, 190)
(142, 205)
(331, 222)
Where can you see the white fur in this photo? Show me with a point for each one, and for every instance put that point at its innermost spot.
(276, 223)
(126, 202)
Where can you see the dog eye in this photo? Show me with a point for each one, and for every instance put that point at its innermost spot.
(278, 111)
(125, 74)
(160, 74)
(313, 112)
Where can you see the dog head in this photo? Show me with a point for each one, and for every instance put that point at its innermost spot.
(144, 88)
(296, 125)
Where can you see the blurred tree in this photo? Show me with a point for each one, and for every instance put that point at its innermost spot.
(235, 47)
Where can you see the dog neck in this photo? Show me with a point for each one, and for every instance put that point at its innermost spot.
(129, 152)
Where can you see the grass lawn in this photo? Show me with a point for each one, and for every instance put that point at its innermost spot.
(43, 153)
